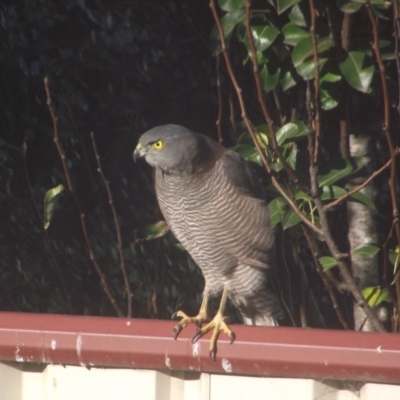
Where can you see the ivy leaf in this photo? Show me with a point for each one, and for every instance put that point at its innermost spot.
(327, 262)
(229, 22)
(368, 250)
(264, 36)
(231, 5)
(277, 210)
(154, 231)
(291, 131)
(293, 34)
(304, 50)
(348, 6)
(283, 5)
(375, 295)
(269, 80)
(358, 70)
(297, 16)
(338, 170)
(290, 219)
(247, 152)
(50, 201)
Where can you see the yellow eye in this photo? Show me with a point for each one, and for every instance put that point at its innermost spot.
(158, 145)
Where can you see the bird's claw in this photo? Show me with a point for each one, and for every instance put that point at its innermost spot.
(176, 331)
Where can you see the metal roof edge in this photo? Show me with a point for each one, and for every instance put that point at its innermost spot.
(148, 344)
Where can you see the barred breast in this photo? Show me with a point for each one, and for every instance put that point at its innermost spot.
(227, 232)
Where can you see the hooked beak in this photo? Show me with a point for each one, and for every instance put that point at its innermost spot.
(138, 153)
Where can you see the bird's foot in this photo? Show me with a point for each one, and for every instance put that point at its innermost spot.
(218, 324)
(198, 320)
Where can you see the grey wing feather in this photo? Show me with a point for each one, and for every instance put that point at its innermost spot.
(241, 175)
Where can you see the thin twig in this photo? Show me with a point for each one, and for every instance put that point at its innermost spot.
(218, 122)
(342, 259)
(386, 130)
(317, 124)
(358, 188)
(71, 189)
(103, 222)
(250, 127)
(396, 28)
(46, 239)
(116, 224)
(395, 318)
(316, 254)
(263, 106)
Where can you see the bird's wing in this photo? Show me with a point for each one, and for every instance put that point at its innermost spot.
(241, 175)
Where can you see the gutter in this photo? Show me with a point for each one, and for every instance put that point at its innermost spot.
(148, 344)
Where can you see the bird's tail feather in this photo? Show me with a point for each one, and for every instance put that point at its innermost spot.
(261, 320)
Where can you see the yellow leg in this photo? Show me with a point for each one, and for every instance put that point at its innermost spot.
(199, 319)
(218, 324)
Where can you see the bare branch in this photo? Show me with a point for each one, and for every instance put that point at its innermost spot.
(117, 227)
(358, 188)
(71, 189)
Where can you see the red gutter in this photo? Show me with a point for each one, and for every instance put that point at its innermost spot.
(260, 351)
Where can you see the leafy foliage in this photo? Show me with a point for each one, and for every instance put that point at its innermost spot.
(118, 68)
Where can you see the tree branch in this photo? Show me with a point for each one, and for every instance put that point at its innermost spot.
(117, 227)
(67, 174)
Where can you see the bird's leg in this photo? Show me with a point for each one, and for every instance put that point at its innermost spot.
(199, 319)
(218, 324)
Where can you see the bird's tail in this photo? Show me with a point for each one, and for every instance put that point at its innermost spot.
(261, 320)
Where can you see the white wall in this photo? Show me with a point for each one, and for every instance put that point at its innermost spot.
(56, 382)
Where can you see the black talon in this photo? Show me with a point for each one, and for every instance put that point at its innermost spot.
(174, 315)
(196, 337)
(176, 332)
(232, 336)
(213, 354)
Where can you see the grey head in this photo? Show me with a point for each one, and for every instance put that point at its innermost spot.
(177, 150)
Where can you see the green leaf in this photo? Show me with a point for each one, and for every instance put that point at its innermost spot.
(297, 16)
(339, 169)
(277, 210)
(358, 70)
(304, 50)
(247, 152)
(363, 199)
(268, 80)
(180, 246)
(231, 5)
(264, 36)
(154, 231)
(307, 68)
(283, 5)
(229, 22)
(292, 157)
(50, 201)
(330, 77)
(290, 132)
(368, 250)
(293, 34)
(332, 192)
(290, 219)
(348, 6)
(375, 295)
(327, 262)
(328, 102)
(288, 74)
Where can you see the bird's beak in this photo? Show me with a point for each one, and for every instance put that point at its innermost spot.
(138, 153)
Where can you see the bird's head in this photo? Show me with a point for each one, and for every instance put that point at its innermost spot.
(174, 149)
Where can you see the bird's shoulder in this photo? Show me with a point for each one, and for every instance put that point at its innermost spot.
(241, 175)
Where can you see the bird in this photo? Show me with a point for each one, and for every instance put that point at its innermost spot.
(213, 203)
